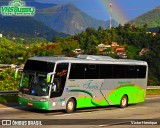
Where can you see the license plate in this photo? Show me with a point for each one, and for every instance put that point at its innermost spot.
(30, 104)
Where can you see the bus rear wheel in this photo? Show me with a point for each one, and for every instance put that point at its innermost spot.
(70, 107)
(124, 101)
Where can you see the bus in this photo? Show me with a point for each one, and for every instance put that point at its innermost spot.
(68, 83)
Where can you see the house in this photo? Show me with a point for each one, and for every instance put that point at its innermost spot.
(51, 46)
(143, 51)
(27, 46)
(120, 50)
(102, 47)
(78, 51)
(114, 44)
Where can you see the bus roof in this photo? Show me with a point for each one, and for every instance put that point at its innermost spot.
(89, 59)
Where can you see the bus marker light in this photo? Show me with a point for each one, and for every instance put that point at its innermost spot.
(54, 104)
(63, 103)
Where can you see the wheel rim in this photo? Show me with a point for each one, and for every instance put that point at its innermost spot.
(70, 105)
(124, 101)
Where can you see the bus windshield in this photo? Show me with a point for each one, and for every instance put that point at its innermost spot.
(34, 84)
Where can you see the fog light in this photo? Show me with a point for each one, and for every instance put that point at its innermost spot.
(43, 99)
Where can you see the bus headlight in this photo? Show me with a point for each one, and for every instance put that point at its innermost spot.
(44, 99)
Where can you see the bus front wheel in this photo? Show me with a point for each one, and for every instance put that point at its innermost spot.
(124, 101)
(70, 107)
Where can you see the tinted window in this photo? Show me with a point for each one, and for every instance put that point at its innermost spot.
(92, 71)
(105, 71)
(118, 71)
(141, 71)
(136, 71)
(77, 71)
(131, 71)
(59, 79)
(39, 66)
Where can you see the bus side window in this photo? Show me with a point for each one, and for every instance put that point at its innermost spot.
(106, 71)
(131, 71)
(141, 71)
(118, 71)
(92, 71)
(77, 71)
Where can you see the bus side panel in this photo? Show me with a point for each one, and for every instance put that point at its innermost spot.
(114, 90)
(87, 93)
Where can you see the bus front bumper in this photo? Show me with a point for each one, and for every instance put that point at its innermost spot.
(35, 104)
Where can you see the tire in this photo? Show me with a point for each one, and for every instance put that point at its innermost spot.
(70, 107)
(124, 101)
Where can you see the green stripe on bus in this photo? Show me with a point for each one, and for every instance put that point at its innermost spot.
(135, 94)
(88, 101)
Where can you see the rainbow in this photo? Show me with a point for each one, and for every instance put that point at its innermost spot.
(117, 12)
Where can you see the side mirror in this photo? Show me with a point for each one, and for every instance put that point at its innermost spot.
(49, 76)
(16, 73)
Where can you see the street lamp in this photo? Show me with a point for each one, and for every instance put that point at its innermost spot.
(110, 7)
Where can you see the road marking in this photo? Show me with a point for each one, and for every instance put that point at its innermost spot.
(68, 114)
(133, 108)
(72, 114)
(102, 125)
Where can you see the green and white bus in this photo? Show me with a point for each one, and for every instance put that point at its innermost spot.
(52, 83)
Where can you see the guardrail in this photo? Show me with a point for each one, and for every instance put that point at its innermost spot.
(153, 87)
(16, 92)
(8, 92)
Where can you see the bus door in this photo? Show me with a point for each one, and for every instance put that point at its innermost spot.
(59, 80)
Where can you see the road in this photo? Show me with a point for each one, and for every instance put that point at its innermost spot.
(148, 112)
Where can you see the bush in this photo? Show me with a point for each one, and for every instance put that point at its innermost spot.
(7, 80)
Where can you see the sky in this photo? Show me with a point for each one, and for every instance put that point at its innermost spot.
(121, 10)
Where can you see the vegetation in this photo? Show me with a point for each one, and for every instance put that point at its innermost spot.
(151, 18)
(7, 81)
(133, 39)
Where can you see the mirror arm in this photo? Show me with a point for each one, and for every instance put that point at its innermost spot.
(16, 71)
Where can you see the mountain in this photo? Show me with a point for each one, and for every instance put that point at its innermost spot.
(32, 3)
(38, 5)
(68, 19)
(49, 19)
(151, 18)
(26, 26)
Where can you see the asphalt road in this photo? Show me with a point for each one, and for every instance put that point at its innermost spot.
(145, 114)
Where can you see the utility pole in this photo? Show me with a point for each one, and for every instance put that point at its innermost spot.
(110, 7)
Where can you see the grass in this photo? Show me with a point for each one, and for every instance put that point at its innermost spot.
(153, 92)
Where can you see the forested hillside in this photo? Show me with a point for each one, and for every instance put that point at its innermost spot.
(132, 38)
(151, 18)
(26, 27)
